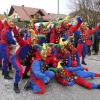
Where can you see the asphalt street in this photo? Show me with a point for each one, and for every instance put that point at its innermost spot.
(54, 91)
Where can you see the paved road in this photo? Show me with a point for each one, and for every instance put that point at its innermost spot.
(54, 91)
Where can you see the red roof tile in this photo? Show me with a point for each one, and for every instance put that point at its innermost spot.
(26, 12)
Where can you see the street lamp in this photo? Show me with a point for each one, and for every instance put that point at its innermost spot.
(58, 6)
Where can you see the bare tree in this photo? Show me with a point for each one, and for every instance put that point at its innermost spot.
(89, 10)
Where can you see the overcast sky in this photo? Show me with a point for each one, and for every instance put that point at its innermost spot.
(48, 5)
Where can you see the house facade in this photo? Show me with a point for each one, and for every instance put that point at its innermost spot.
(23, 14)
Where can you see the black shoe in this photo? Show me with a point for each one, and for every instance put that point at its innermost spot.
(83, 62)
(16, 88)
(89, 54)
(0, 67)
(27, 85)
(25, 76)
(10, 69)
(8, 77)
(2, 73)
(47, 83)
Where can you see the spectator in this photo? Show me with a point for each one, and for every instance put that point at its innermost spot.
(96, 39)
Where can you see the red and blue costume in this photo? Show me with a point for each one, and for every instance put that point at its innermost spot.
(21, 53)
(68, 30)
(66, 78)
(73, 72)
(76, 67)
(84, 42)
(39, 77)
(54, 36)
(6, 39)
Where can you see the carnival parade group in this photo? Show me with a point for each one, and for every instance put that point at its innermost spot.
(52, 51)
